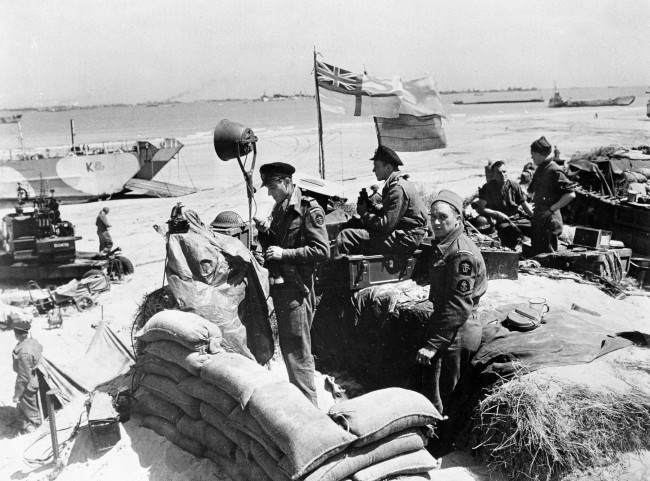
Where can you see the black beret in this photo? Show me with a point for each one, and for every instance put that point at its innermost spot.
(541, 146)
(388, 155)
(275, 170)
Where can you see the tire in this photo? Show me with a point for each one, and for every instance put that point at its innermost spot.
(127, 265)
(92, 272)
(84, 303)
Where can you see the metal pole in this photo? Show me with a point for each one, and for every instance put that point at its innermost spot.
(52, 418)
(321, 152)
(72, 132)
(20, 136)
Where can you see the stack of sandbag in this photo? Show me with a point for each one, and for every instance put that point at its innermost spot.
(391, 426)
(226, 407)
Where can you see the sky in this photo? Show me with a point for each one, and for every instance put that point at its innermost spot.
(115, 51)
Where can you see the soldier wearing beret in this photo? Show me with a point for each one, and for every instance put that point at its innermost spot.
(294, 239)
(551, 190)
(458, 280)
(399, 226)
(26, 356)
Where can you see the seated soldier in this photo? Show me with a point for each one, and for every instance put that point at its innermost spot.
(500, 200)
(401, 223)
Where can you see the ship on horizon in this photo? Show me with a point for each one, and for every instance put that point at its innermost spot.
(558, 101)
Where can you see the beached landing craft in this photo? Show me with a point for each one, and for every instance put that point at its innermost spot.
(86, 172)
(558, 101)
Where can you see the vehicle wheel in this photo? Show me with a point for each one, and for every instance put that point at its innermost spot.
(127, 265)
(92, 272)
(84, 303)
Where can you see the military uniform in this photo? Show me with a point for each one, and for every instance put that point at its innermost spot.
(298, 227)
(26, 356)
(549, 184)
(506, 198)
(398, 228)
(458, 280)
(105, 239)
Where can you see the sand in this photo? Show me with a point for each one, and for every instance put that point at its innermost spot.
(142, 454)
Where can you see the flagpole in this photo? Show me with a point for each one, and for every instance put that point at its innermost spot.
(22, 141)
(321, 152)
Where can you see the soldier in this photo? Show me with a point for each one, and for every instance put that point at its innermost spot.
(400, 225)
(375, 197)
(294, 239)
(458, 280)
(102, 223)
(551, 190)
(26, 356)
(500, 200)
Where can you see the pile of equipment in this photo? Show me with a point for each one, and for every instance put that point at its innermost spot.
(226, 407)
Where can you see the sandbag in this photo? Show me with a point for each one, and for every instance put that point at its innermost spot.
(170, 432)
(266, 462)
(228, 465)
(305, 435)
(249, 467)
(179, 355)
(148, 403)
(166, 389)
(206, 392)
(244, 422)
(377, 414)
(154, 365)
(354, 459)
(192, 428)
(185, 328)
(236, 375)
(218, 442)
(218, 421)
(411, 463)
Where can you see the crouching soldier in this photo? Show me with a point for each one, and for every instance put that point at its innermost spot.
(294, 239)
(399, 225)
(458, 280)
(26, 356)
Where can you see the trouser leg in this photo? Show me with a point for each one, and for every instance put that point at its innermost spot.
(294, 314)
(28, 408)
(352, 241)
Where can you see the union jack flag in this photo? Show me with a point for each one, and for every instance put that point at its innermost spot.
(338, 80)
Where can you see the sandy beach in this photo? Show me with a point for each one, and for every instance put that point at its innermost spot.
(472, 140)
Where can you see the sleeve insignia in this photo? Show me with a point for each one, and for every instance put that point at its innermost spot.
(319, 218)
(465, 268)
(463, 286)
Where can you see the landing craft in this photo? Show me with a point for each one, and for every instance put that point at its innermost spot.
(87, 172)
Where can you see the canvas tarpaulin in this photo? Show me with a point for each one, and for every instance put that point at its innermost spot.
(105, 359)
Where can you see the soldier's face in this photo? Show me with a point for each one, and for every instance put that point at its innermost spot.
(537, 157)
(381, 169)
(444, 219)
(500, 175)
(279, 189)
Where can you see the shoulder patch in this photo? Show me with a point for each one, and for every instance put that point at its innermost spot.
(463, 286)
(465, 268)
(319, 218)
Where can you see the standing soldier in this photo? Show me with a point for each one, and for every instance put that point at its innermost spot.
(458, 280)
(105, 239)
(375, 198)
(26, 356)
(551, 190)
(294, 239)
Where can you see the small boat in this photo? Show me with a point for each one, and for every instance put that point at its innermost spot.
(503, 101)
(558, 101)
(12, 119)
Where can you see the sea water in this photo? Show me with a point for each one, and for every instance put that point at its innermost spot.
(287, 131)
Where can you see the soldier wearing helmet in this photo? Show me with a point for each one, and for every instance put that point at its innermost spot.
(26, 356)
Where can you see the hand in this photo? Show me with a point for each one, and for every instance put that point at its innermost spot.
(274, 253)
(425, 356)
(501, 217)
(362, 207)
(258, 257)
(15, 400)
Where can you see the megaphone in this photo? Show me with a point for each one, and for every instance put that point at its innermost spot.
(233, 140)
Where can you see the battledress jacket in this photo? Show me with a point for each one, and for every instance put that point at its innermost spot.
(402, 208)
(458, 280)
(299, 228)
(26, 356)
